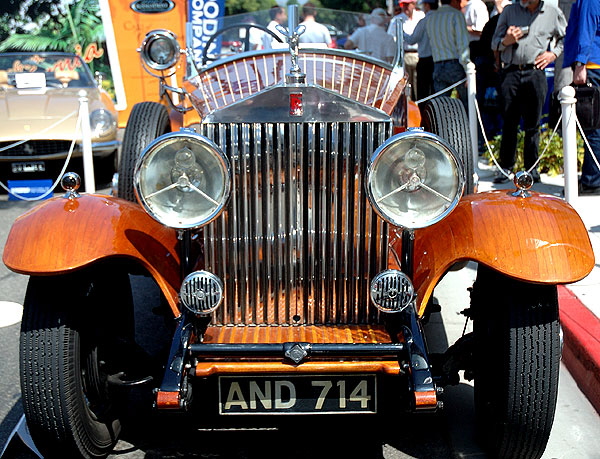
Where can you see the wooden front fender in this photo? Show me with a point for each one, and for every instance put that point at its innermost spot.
(539, 239)
(62, 235)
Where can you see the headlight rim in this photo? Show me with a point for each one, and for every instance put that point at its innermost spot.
(407, 136)
(112, 122)
(220, 155)
(150, 38)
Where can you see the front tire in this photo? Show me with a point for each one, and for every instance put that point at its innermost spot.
(65, 349)
(147, 121)
(446, 117)
(517, 361)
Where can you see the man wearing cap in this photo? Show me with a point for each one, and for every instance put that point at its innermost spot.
(425, 64)
(529, 37)
(373, 39)
(409, 18)
(447, 31)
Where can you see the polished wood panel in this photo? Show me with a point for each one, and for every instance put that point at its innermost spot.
(350, 76)
(312, 334)
(426, 400)
(540, 239)
(205, 369)
(62, 235)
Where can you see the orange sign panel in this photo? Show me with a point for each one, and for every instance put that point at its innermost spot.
(131, 21)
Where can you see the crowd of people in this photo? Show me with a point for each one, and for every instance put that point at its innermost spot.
(510, 43)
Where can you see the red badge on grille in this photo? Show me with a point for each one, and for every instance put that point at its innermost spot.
(296, 107)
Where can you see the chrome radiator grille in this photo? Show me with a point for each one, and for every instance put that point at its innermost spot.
(298, 243)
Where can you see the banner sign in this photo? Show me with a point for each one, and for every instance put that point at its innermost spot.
(204, 20)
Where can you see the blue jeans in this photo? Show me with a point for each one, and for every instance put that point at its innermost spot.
(445, 74)
(590, 175)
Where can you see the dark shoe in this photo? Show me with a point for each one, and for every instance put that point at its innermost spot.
(589, 190)
(536, 176)
(500, 177)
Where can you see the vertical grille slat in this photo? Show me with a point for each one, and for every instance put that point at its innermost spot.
(298, 242)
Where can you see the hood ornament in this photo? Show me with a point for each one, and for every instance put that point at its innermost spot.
(523, 180)
(293, 32)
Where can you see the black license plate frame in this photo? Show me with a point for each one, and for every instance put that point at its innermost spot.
(297, 394)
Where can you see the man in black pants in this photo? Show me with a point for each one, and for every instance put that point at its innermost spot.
(529, 37)
(425, 64)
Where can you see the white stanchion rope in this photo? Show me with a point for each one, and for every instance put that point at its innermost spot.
(64, 168)
(585, 140)
(439, 93)
(487, 144)
(495, 161)
(43, 131)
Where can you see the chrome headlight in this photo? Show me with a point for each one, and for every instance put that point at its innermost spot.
(160, 49)
(414, 180)
(102, 123)
(182, 180)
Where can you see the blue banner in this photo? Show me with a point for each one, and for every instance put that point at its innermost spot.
(204, 18)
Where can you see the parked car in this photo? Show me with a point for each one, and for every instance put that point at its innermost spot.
(296, 228)
(39, 103)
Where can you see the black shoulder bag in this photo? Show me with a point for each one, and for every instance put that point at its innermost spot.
(588, 106)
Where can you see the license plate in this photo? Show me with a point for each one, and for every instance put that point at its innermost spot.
(34, 166)
(297, 394)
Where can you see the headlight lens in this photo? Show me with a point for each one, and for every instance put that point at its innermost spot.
(414, 180)
(160, 49)
(183, 180)
(102, 123)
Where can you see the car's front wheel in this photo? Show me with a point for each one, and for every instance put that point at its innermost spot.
(517, 359)
(66, 352)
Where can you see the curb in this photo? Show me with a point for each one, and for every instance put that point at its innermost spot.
(581, 351)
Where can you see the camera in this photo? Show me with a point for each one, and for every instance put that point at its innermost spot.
(525, 30)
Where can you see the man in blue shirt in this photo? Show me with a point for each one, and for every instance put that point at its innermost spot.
(582, 53)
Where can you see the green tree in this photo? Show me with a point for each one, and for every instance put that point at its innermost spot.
(78, 24)
(16, 16)
(244, 6)
(359, 6)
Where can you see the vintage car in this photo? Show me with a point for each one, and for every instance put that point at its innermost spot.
(39, 104)
(296, 227)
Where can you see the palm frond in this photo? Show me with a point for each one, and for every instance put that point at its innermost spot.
(25, 42)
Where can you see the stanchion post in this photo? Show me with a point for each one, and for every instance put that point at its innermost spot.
(472, 92)
(569, 129)
(86, 134)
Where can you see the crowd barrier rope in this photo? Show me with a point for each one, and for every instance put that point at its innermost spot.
(570, 126)
(82, 125)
